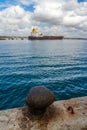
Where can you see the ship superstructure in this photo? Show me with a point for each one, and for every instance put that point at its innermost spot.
(36, 33)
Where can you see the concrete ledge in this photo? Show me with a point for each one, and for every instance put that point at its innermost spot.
(61, 115)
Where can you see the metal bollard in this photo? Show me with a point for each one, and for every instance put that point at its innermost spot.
(39, 99)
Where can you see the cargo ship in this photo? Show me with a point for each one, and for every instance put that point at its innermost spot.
(37, 35)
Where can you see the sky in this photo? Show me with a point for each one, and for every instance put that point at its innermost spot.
(51, 17)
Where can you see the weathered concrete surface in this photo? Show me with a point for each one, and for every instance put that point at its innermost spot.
(62, 115)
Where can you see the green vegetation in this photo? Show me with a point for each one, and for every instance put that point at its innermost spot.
(12, 37)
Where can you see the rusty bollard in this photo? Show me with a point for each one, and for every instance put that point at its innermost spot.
(39, 99)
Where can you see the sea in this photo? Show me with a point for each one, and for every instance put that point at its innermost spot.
(60, 65)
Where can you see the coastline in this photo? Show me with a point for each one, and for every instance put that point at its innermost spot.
(26, 37)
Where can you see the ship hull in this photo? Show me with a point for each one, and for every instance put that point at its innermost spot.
(46, 38)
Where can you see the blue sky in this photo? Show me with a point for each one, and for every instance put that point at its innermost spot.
(67, 17)
(29, 7)
(7, 3)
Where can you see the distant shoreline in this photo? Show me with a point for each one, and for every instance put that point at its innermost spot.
(75, 38)
(23, 37)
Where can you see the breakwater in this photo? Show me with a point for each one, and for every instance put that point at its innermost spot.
(61, 115)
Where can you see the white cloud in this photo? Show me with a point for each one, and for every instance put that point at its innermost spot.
(70, 15)
(60, 17)
(26, 2)
(14, 21)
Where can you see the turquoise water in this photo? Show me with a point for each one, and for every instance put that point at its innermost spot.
(60, 65)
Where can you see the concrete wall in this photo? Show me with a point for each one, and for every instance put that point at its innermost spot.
(61, 115)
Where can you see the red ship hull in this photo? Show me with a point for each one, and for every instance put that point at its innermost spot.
(46, 38)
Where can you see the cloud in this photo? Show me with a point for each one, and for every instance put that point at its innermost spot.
(70, 15)
(25, 2)
(15, 21)
(55, 17)
(28, 2)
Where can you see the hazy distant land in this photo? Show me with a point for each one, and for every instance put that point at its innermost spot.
(26, 37)
(12, 37)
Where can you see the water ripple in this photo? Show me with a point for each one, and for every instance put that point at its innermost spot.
(60, 66)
